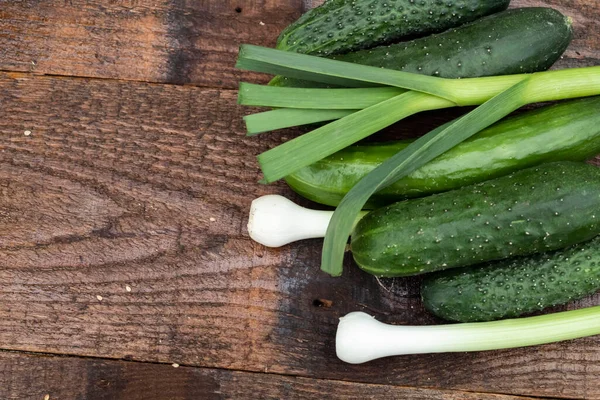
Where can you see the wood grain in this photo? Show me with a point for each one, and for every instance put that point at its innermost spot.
(184, 42)
(35, 377)
(123, 207)
(173, 41)
(122, 218)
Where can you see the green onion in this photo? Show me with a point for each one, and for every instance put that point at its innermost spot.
(333, 99)
(360, 338)
(310, 148)
(329, 99)
(288, 117)
(277, 162)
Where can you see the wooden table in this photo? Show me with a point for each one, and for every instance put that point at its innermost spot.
(126, 271)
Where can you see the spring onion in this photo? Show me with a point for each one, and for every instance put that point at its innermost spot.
(313, 146)
(277, 163)
(276, 221)
(360, 338)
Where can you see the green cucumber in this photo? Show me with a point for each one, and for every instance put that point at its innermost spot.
(510, 288)
(340, 26)
(538, 209)
(521, 40)
(566, 131)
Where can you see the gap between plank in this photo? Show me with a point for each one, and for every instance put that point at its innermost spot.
(25, 74)
(94, 358)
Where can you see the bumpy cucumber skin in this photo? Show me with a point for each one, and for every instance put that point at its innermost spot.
(340, 26)
(539, 209)
(568, 131)
(510, 288)
(522, 40)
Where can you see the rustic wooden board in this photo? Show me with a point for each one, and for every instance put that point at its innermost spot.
(38, 377)
(122, 222)
(183, 42)
(122, 234)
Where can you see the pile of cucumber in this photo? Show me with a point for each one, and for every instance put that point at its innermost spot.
(507, 222)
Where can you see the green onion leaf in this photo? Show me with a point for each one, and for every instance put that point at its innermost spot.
(312, 68)
(322, 142)
(288, 117)
(332, 99)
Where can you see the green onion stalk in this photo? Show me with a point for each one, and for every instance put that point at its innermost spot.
(360, 338)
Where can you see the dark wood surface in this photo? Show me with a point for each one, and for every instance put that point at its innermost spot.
(123, 203)
(37, 376)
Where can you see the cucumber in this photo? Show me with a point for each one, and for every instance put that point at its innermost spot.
(565, 131)
(521, 40)
(538, 209)
(340, 26)
(510, 288)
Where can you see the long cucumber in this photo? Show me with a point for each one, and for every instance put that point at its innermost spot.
(566, 131)
(515, 41)
(535, 210)
(340, 26)
(513, 287)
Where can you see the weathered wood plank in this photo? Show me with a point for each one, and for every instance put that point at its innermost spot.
(27, 376)
(184, 42)
(122, 223)
(174, 41)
